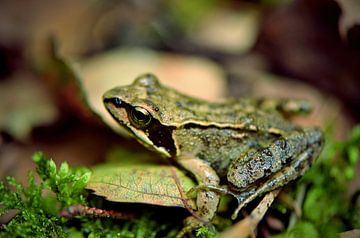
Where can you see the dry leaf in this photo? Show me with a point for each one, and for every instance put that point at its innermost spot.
(137, 178)
(24, 104)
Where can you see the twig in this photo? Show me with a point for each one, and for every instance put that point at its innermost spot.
(246, 227)
(80, 210)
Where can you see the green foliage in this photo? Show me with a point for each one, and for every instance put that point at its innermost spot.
(303, 229)
(38, 208)
(328, 208)
(145, 227)
(31, 220)
(36, 213)
(204, 232)
(68, 184)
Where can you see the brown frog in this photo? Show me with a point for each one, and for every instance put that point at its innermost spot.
(244, 143)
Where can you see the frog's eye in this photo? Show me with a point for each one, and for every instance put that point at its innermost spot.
(140, 117)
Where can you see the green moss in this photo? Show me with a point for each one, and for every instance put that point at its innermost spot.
(39, 204)
(35, 216)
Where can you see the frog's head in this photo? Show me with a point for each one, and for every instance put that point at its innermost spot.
(142, 109)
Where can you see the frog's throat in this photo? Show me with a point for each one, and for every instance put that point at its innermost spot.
(143, 139)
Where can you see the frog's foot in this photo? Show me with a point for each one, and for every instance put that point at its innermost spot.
(192, 223)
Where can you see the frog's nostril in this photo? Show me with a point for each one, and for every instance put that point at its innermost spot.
(115, 101)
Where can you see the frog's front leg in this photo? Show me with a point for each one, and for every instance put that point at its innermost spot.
(274, 166)
(206, 201)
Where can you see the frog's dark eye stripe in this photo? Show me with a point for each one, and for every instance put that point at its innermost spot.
(140, 117)
(115, 101)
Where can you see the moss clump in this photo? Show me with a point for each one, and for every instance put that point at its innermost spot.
(37, 212)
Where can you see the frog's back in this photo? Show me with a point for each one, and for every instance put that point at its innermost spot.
(241, 113)
(173, 108)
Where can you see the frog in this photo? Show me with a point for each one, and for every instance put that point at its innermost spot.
(246, 146)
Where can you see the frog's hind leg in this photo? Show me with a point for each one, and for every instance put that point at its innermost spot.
(274, 166)
(279, 179)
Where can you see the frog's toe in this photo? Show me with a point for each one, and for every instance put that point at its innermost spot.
(192, 191)
(206, 187)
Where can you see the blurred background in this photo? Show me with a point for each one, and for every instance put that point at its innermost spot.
(210, 49)
(57, 58)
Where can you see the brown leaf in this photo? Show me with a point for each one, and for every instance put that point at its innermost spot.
(24, 104)
(137, 178)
